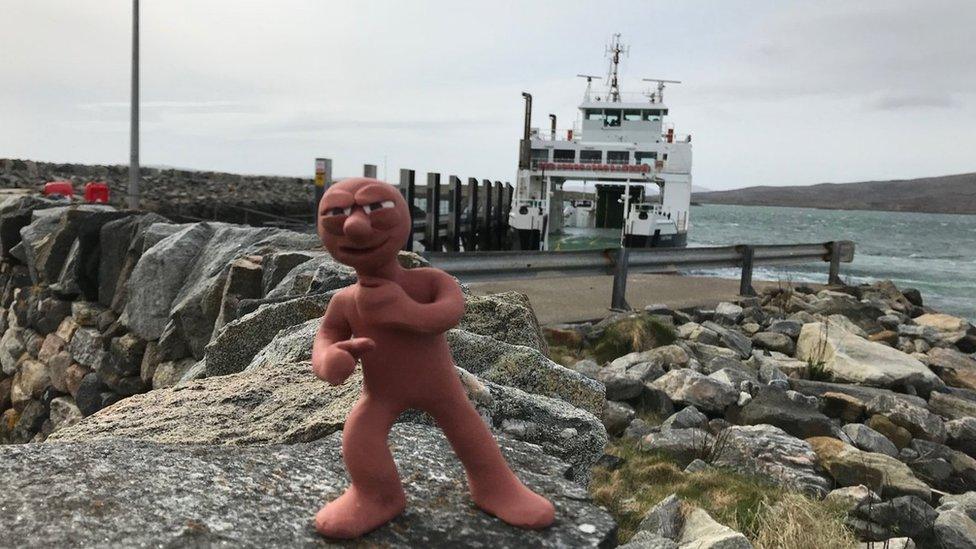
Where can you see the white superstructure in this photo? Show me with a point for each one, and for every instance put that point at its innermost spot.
(620, 142)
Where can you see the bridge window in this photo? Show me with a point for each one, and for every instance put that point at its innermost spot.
(618, 157)
(632, 115)
(652, 115)
(594, 114)
(642, 157)
(591, 157)
(611, 117)
(564, 155)
(540, 154)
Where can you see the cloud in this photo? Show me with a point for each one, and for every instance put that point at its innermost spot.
(897, 102)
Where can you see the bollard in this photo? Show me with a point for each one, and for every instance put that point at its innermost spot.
(745, 283)
(618, 296)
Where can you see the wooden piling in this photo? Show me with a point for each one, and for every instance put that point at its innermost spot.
(432, 233)
(745, 282)
(454, 228)
(409, 191)
(499, 210)
(486, 226)
(473, 224)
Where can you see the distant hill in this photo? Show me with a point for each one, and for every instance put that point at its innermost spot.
(945, 194)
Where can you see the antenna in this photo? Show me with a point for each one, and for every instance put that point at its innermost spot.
(589, 83)
(660, 87)
(613, 51)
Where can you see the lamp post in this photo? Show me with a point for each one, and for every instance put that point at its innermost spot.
(133, 196)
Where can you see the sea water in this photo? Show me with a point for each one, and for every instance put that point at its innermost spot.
(935, 253)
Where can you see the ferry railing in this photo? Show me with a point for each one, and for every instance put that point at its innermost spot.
(618, 262)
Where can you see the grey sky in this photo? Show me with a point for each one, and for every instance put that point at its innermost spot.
(774, 92)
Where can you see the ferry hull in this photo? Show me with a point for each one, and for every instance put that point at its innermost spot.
(679, 240)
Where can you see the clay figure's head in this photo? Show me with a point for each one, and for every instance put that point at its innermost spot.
(363, 223)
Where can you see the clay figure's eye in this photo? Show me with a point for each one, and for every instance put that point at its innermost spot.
(338, 211)
(368, 208)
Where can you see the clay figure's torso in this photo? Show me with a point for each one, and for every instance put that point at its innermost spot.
(406, 366)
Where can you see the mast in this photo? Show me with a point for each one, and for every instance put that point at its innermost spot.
(614, 51)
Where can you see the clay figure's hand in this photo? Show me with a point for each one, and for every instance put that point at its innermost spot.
(379, 299)
(337, 362)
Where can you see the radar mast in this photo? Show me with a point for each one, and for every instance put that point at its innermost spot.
(613, 52)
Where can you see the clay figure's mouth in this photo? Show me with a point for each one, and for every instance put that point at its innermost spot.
(362, 250)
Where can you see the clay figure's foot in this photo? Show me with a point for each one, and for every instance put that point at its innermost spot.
(352, 514)
(517, 505)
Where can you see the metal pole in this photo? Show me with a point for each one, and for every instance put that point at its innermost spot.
(133, 197)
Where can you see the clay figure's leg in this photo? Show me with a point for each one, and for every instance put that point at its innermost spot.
(376, 495)
(494, 487)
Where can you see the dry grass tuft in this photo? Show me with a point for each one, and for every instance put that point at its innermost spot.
(748, 504)
(798, 521)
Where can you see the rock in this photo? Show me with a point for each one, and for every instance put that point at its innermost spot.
(87, 347)
(170, 372)
(619, 386)
(659, 359)
(869, 440)
(687, 418)
(772, 407)
(733, 377)
(617, 416)
(852, 497)
(278, 264)
(318, 275)
(46, 313)
(728, 312)
(884, 474)
(85, 313)
(774, 342)
(158, 277)
(768, 452)
(951, 407)
(64, 412)
(702, 532)
(707, 353)
(51, 233)
(906, 515)
(282, 402)
(587, 367)
(962, 434)
(637, 430)
(843, 323)
(30, 382)
(237, 342)
(681, 445)
(864, 315)
(666, 519)
(524, 368)
(942, 322)
(864, 394)
(692, 388)
(92, 395)
(122, 362)
(961, 502)
(847, 408)
(955, 530)
(28, 424)
(955, 368)
(920, 422)
(732, 339)
(648, 540)
(259, 485)
(11, 349)
(196, 307)
(120, 243)
(897, 434)
(507, 317)
(789, 328)
(851, 359)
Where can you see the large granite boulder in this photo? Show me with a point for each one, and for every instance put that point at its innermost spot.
(121, 244)
(794, 415)
(852, 359)
(955, 368)
(769, 452)
(282, 402)
(48, 239)
(851, 467)
(266, 495)
(918, 420)
(690, 387)
(507, 317)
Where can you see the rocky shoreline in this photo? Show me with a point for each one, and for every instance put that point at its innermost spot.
(156, 390)
(857, 396)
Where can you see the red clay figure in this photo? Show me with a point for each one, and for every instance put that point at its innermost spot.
(398, 317)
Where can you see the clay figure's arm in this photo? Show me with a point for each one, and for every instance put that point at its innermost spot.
(387, 304)
(334, 355)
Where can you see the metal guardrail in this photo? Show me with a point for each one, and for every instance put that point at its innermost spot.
(617, 262)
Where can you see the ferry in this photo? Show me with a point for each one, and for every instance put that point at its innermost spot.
(623, 144)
